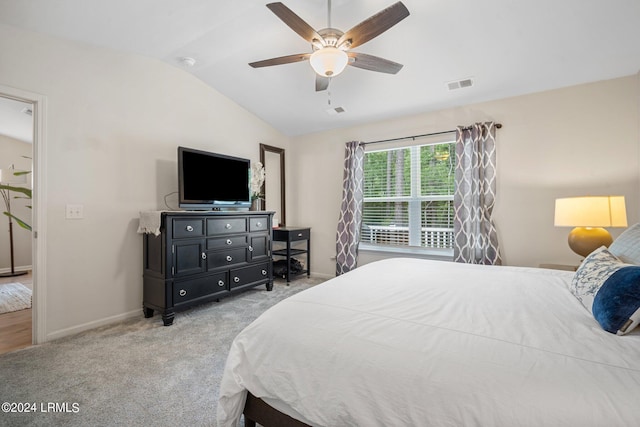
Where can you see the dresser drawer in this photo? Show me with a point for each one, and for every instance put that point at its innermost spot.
(187, 227)
(226, 225)
(248, 275)
(259, 223)
(184, 291)
(227, 242)
(222, 259)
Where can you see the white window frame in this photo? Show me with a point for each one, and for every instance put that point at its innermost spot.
(414, 209)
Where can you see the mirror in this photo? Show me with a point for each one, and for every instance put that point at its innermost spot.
(274, 185)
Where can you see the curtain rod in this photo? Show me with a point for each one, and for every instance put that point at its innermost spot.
(498, 126)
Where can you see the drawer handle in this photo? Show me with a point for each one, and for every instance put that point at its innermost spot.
(228, 226)
(189, 228)
(250, 248)
(264, 272)
(220, 283)
(299, 234)
(204, 256)
(236, 279)
(182, 292)
(229, 258)
(229, 242)
(258, 224)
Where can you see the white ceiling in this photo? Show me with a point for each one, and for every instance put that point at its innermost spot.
(508, 48)
(15, 120)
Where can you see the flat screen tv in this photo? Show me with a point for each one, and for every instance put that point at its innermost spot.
(212, 181)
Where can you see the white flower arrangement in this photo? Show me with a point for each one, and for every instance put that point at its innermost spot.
(257, 179)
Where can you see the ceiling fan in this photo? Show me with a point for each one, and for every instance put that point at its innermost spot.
(331, 47)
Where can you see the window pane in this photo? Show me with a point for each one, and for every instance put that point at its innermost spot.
(437, 224)
(437, 169)
(385, 223)
(409, 196)
(387, 173)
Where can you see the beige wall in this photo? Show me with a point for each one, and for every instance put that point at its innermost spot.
(114, 122)
(17, 153)
(574, 141)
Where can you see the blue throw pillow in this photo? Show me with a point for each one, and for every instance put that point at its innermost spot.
(616, 305)
(597, 267)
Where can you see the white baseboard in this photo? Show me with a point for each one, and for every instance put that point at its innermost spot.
(21, 268)
(91, 325)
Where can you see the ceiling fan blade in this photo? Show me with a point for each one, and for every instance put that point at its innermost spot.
(281, 60)
(374, 26)
(296, 23)
(373, 63)
(322, 83)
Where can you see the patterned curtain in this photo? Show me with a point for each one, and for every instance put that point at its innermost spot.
(475, 236)
(348, 234)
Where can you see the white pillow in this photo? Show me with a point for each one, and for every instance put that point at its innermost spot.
(627, 245)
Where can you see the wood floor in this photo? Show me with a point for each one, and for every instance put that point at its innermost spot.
(15, 327)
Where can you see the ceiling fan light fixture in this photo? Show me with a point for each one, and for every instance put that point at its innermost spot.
(329, 61)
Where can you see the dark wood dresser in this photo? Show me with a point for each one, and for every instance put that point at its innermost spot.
(203, 256)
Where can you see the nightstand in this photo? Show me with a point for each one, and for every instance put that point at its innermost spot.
(290, 235)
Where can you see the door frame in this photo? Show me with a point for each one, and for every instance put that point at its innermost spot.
(39, 212)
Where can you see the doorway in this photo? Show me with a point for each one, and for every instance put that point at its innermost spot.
(36, 103)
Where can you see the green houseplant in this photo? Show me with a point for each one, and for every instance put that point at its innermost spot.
(24, 193)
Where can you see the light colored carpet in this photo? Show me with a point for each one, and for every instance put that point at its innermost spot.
(14, 297)
(137, 372)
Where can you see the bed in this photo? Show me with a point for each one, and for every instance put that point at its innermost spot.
(408, 342)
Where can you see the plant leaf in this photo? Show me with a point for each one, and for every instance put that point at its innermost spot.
(25, 191)
(20, 222)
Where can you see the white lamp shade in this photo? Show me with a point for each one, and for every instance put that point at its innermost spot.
(595, 211)
(329, 61)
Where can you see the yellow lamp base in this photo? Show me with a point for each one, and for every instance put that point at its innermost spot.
(584, 240)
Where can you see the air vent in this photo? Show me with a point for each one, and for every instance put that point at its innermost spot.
(460, 84)
(28, 111)
(334, 111)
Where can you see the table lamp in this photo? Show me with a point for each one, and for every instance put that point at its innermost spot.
(588, 215)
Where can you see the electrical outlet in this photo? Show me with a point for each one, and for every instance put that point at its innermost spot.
(74, 212)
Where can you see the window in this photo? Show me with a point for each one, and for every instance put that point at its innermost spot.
(408, 197)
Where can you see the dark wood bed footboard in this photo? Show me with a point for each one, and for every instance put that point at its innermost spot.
(257, 411)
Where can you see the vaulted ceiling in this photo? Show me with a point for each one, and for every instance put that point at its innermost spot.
(505, 47)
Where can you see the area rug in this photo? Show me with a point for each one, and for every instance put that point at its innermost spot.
(14, 297)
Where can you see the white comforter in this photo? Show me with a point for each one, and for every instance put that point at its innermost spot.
(409, 342)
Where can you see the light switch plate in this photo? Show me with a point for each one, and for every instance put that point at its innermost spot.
(74, 212)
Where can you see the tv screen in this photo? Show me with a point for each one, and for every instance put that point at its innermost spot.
(211, 180)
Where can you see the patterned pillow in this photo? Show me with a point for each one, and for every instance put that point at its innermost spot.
(627, 245)
(592, 273)
(617, 304)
